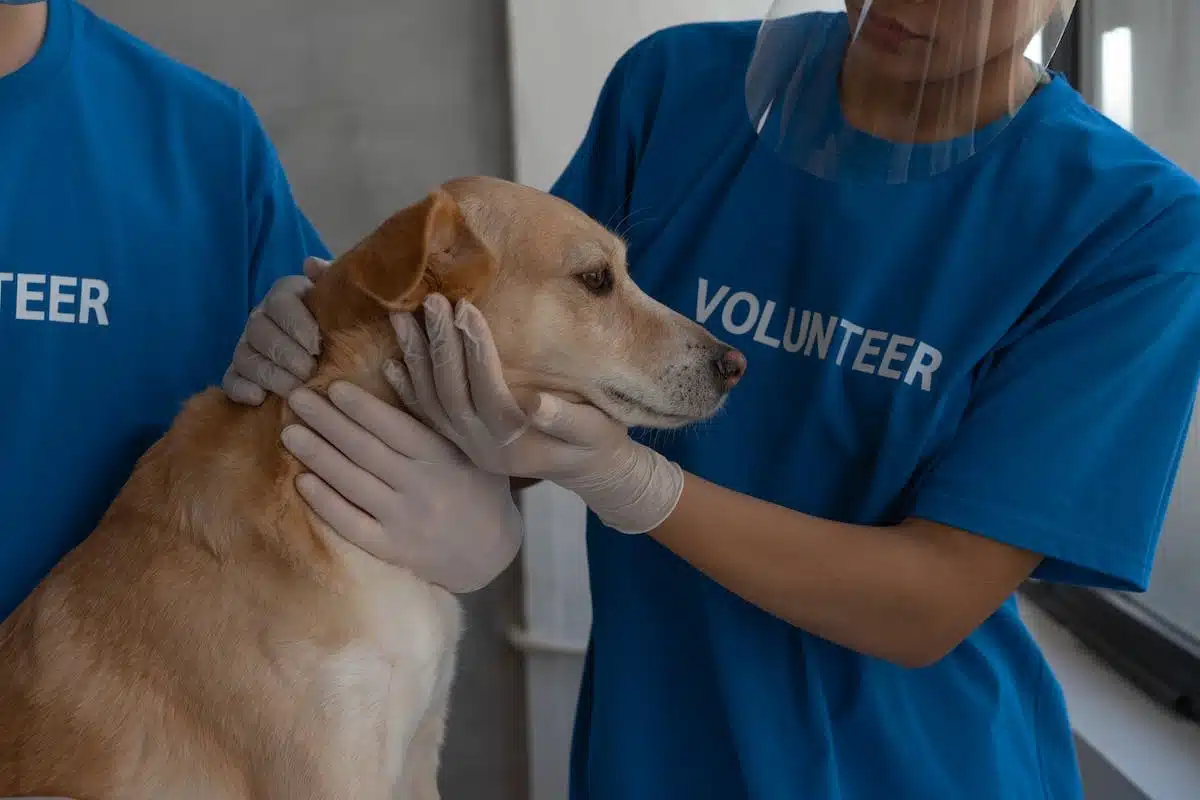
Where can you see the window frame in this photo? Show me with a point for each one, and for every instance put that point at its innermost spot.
(1158, 657)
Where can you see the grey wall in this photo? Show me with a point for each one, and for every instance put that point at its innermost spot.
(371, 103)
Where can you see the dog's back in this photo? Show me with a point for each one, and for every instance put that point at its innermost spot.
(107, 648)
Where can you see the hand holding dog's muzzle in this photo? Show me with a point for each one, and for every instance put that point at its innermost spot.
(452, 378)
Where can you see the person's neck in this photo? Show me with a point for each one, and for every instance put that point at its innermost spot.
(936, 111)
(22, 29)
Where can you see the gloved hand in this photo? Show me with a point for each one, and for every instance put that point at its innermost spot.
(398, 490)
(452, 378)
(277, 350)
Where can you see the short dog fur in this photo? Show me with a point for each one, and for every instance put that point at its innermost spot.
(213, 639)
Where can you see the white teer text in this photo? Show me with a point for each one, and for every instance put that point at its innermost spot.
(31, 297)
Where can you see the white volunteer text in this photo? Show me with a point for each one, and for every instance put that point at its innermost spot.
(877, 353)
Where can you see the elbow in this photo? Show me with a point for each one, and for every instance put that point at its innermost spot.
(922, 644)
(933, 625)
(910, 635)
(914, 645)
(920, 656)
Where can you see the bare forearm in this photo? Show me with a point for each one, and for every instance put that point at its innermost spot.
(905, 593)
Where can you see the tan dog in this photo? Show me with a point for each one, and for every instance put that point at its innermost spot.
(213, 639)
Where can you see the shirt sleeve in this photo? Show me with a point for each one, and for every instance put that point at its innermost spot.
(1074, 433)
(280, 235)
(599, 177)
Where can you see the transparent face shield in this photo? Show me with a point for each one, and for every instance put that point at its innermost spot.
(889, 91)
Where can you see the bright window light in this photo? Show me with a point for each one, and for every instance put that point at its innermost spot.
(1034, 51)
(1116, 76)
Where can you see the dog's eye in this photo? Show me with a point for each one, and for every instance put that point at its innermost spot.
(598, 281)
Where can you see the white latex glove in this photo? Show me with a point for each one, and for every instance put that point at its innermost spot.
(278, 348)
(452, 378)
(395, 488)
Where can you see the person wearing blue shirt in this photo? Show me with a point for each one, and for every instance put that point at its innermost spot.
(971, 312)
(143, 214)
(147, 231)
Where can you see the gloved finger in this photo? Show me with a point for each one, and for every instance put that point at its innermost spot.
(350, 480)
(251, 365)
(347, 521)
(363, 447)
(494, 403)
(240, 390)
(269, 340)
(315, 267)
(426, 403)
(283, 304)
(396, 428)
(574, 423)
(397, 375)
(446, 357)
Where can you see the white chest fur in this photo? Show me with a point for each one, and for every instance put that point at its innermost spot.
(384, 696)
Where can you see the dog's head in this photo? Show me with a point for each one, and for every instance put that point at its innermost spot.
(555, 289)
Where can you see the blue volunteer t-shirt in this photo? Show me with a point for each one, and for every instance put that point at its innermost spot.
(143, 213)
(1009, 348)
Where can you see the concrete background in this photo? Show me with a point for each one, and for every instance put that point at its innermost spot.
(371, 103)
(563, 49)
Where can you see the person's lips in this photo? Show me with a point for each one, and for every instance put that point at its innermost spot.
(887, 33)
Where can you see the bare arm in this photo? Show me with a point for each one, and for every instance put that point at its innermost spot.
(907, 594)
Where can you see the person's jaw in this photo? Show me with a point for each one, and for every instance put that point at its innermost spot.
(22, 28)
(916, 111)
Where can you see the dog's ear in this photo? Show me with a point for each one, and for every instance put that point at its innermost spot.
(424, 248)
(457, 264)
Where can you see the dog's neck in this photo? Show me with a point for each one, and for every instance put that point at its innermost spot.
(242, 444)
(356, 335)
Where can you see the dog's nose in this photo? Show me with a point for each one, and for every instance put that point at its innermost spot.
(731, 366)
